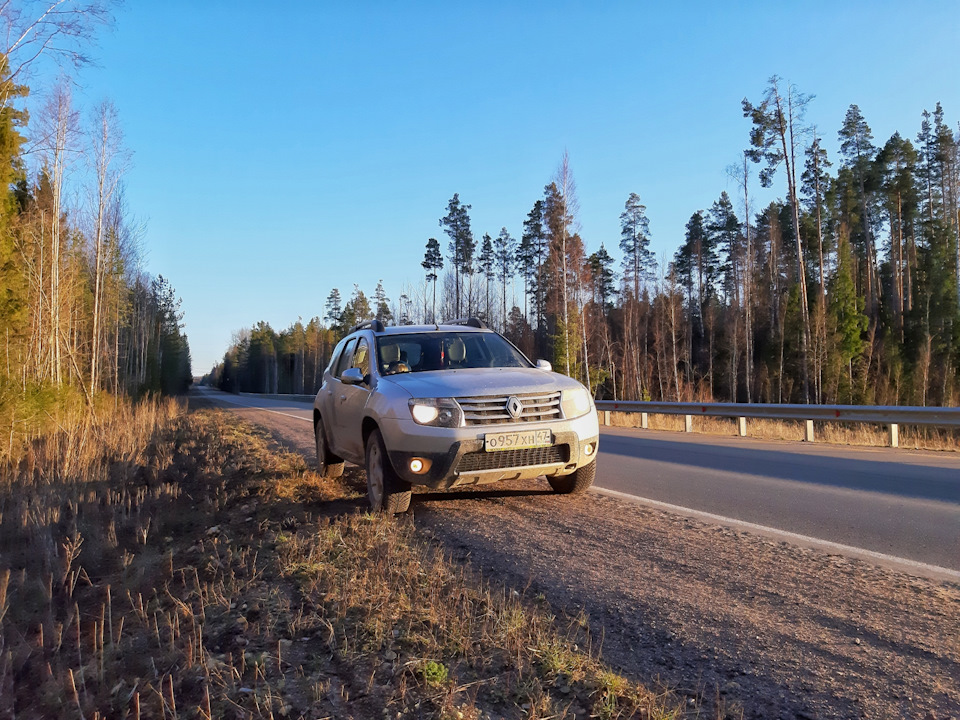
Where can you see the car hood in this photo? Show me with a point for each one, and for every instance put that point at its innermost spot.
(481, 381)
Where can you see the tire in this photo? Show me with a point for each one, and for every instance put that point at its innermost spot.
(386, 491)
(577, 482)
(328, 465)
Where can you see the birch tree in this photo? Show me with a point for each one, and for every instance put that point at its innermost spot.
(108, 164)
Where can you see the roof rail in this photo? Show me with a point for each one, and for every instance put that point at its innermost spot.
(374, 325)
(470, 322)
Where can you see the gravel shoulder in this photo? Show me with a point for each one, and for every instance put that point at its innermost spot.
(764, 629)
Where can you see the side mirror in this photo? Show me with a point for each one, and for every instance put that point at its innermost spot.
(544, 365)
(352, 376)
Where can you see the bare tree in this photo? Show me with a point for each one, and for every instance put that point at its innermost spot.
(108, 160)
(565, 224)
(61, 128)
(60, 29)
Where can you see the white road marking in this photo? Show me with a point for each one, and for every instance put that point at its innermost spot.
(805, 539)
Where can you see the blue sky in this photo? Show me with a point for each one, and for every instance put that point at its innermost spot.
(281, 151)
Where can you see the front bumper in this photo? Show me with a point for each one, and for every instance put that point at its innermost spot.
(457, 456)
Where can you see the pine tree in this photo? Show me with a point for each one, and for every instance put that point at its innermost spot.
(333, 313)
(601, 268)
(433, 263)
(845, 309)
(948, 159)
(532, 256)
(13, 283)
(485, 266)
(357, 310)
(896, 168)
(456, 224)
(815, 181)
(638, 260)
(858, 153)
(723, 229)
(503, 253)
(777, 125)
(382, 304)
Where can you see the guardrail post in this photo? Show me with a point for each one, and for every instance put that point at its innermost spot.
(688, 423)
(808, 433)
(742, 426)
(644, 420)
(606, 417)
(894, 435)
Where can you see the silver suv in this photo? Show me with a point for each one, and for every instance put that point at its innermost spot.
(449, 405)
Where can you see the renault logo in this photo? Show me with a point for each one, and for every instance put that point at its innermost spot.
(514, 407)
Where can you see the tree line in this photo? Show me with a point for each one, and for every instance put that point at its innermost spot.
(846, 289)
(79, 315)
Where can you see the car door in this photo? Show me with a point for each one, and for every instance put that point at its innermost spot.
(330, 384)
(333, 395)
(351, 402)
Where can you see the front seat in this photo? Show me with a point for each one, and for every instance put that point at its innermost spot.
(391, 360)
(456, 353)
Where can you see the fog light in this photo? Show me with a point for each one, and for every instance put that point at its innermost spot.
(418, 466)
(588, 449)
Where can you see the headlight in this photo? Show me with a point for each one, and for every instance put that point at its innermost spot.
(575, 402)
(437, 412)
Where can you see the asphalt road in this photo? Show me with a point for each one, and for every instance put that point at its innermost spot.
(899, 507)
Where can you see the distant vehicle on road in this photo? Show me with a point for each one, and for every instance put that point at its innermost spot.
(449, 405)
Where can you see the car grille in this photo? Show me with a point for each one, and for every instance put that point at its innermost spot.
(502, 459)
(537, 407)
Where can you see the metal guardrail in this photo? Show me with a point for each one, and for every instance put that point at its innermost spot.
(891, 416)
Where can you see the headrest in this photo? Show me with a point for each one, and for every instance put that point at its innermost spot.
(389, 354)
(457, 351)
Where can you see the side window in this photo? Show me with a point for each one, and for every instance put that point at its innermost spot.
(361, 358)
(335, 356)
(346, 358)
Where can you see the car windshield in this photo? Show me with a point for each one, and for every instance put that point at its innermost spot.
(419, 352)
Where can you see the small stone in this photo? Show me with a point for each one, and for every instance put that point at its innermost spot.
(213, 530)
(246, 690)
(390, 655)
(857, 641)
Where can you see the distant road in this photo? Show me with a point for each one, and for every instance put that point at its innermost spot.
(897, 507)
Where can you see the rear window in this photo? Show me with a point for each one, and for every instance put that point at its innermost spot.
(420, 352)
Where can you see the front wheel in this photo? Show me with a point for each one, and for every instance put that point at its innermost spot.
(576, 482)
(328, 465)
(386, 491)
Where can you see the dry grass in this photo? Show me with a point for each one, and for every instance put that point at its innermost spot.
(159, 564)
(866, 434)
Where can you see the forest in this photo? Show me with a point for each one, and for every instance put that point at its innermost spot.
(846, 289)
(82, 321)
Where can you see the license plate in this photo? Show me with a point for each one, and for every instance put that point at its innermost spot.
(517, 440)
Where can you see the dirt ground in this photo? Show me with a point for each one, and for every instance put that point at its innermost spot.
(748, 626)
